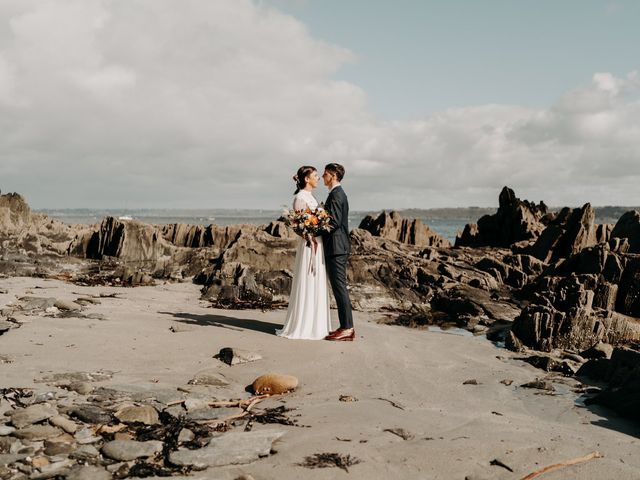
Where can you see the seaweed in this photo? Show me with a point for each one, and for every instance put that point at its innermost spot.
(328, 460)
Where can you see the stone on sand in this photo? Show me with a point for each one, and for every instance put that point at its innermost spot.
(143, 414)
(32, 414)
(126, 450)
(229, 449)
(274, 383)
(237, 356)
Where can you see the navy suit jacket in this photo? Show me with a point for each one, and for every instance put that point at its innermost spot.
(336, 242)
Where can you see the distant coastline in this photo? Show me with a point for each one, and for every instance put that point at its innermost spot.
(446, 221)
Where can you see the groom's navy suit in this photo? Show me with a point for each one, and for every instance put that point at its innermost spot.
(336, 251)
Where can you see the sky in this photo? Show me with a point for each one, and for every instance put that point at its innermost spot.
(216, 103)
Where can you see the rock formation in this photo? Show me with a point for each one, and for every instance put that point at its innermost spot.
(515, 221)
(592, 296)
(568, 233)
(392, 226)
(628, 226)
(28, 233)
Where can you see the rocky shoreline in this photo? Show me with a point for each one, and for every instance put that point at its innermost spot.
(556, 287)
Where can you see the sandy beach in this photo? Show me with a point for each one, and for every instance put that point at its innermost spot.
(402, 379)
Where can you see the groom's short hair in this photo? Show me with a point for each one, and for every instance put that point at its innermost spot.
(337, 169)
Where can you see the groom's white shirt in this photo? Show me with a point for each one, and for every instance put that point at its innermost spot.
(336, 185)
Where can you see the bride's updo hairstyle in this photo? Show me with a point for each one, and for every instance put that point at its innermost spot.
(301, 177)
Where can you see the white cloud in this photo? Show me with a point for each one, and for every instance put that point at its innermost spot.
(211, 104)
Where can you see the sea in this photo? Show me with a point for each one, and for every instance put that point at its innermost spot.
(448, 222)
(446, 225)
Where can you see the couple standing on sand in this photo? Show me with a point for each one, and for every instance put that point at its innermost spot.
(308, 313)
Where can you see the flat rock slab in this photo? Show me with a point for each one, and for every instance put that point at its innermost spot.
(85, 452)
(73, 377)
(32, 414)
(67, 306)
(144, 414)
(209, 376)
(232, 448)
(237, 356)
(125, 450)
(37, 303)
(9, 458)
(91, 414)
(88, 472)
(203, 414)
(58, 469)
(37, 432)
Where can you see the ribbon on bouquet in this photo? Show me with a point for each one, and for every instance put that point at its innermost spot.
(313, 244)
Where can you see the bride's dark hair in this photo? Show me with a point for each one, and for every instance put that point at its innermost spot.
(301, 177)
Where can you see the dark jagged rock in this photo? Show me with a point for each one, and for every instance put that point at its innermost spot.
(622, 373)
(545, 328)
(628, 227)
(392, 226)
(569, 233)
(199, 236)
(515, 221)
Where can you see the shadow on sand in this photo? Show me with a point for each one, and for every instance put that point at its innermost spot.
(225, 322)
(612, 421)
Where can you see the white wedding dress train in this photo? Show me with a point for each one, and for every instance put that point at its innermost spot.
(308, 314)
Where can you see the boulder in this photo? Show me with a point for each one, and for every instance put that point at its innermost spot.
(391, 225)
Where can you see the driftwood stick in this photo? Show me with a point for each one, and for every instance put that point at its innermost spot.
(566, 463)
(394, 404)
(247, 405)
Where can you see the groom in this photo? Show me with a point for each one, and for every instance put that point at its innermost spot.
(337, 249)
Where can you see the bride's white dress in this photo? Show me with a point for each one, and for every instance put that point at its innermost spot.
(308, 314)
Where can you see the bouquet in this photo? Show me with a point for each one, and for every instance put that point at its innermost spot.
(308, 223)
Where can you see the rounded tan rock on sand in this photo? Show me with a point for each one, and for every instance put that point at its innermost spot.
(274, 383)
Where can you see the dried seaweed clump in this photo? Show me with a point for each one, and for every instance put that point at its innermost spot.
(327, 460)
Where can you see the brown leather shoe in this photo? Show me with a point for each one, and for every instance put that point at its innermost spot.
(342, 335)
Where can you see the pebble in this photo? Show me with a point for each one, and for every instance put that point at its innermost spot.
(32, 414)
(88, 472)
(209, 376)
(144, 414)
(37, 432)
(125, 450)
(91, 414)
(6, 430)
(86, 436)
(85, 452)
(67, 306)
(64, 423)
(185, 435)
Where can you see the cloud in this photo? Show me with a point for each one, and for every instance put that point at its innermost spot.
(194, 103)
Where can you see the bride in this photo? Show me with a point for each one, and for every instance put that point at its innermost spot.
(308, 314)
